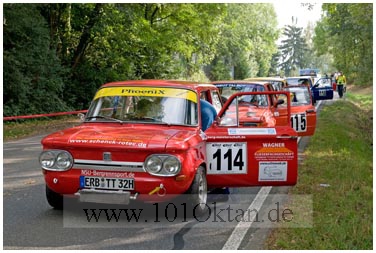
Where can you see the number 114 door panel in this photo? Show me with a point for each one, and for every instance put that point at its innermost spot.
(239, 155)
(251, 156)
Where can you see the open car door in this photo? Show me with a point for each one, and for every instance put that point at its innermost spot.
(322, 89)
(239, 155)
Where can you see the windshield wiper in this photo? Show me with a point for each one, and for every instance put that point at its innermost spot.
(147, 120)
(104, 117)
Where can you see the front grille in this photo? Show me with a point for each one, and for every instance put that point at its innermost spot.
(109, 165)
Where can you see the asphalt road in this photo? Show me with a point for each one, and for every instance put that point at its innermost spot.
(30, 223)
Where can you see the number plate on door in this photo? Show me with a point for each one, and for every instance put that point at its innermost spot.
(227, 158)
(299, 122)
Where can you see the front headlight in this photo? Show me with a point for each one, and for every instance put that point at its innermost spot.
(153, 164)
(64, 160)
(47, 159)
(171, 165)
(162, 165)
(56, 160)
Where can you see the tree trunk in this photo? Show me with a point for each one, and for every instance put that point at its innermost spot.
(85, 37)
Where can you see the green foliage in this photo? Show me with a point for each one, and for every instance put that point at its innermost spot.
(247, 41)
(33, 80)
(294, 49)
(219, 71)
(339, 156)
(56, 55)
(346, 32)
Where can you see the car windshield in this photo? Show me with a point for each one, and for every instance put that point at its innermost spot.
(144, 105)
(299, 96)
(277, 85)
(298, 81)
(226, 90)
(323, 82)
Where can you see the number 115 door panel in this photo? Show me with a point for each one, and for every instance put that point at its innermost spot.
(303, 112)
(240, 156)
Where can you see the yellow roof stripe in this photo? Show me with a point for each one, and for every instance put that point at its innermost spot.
(147, 91)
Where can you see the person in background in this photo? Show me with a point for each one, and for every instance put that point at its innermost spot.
(305, 82)
(341, 84)
(336, 74)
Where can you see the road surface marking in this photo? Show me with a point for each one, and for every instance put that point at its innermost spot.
(235, 239)
(241, 229)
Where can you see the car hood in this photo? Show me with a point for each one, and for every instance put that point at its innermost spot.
(254, 115)
(121, 136)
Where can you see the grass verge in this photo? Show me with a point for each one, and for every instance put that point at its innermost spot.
(24, 128)
(339, 157)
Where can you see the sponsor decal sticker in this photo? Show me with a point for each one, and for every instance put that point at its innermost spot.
(148, 92)
(252, 131)
(112, 141)
(273, 171)
(274, 151)
(114, 174)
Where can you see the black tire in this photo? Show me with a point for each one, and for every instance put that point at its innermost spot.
(54, 199)
(198, 194)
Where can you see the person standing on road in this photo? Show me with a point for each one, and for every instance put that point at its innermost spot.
(341, 84)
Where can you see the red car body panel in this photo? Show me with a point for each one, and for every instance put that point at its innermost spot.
(303, 112)
(133, 144)
(272, 114)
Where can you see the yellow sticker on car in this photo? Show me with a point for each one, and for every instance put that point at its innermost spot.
(148, 92)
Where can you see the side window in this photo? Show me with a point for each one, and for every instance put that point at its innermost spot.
(204, 95)
(192, 118)
(273, 98)
(324, 82)
(216, 101)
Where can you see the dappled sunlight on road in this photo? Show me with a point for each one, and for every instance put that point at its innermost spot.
(15, 160)
(17, 180)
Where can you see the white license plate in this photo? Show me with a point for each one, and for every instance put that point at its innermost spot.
(107, 183)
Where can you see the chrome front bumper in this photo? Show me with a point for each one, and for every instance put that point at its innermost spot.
(105, 197)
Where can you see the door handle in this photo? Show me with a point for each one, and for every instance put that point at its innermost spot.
(287, 137)
(310, 110)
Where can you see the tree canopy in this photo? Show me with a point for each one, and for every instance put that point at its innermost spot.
(293, 49)
(56, 55)
(346, 32)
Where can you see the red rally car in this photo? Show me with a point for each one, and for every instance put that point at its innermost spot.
(143, 140)
(261, 108)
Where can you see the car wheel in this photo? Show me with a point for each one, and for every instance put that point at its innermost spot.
(54, 199)
(198, 193)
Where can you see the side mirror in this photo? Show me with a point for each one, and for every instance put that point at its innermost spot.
(81, 116)
(280, 102)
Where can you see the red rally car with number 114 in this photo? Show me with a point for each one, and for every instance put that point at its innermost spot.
(142, 140)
